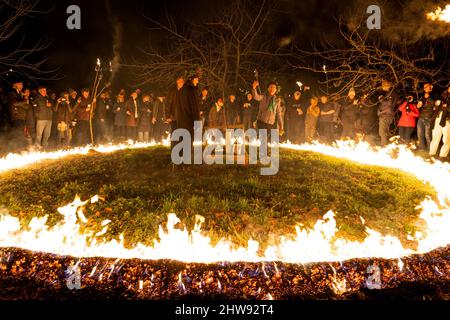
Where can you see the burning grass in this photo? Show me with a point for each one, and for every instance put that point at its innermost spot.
(140, 187)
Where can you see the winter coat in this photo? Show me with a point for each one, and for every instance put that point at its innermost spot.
(369, 117)
(410, 113)
(159, 111)
(119, 114)
(205, 105)
(327, 107)
(17, 106)
(187, 108)
(172, 100)
(349, 112)
(216, 119)
(109, 111)
(427, 111)
(292, 114)
(387, 104)
(41, 110)
(264, 114)
(101, 109)
(145, 116)
(132, 112)
(63, 112)
(233, 113)
(249, 110)
(82, 110)
(445, 105)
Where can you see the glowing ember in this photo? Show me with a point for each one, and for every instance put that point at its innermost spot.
(319, 244)
(440, 14)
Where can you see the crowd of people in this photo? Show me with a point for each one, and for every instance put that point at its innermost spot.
(42, 120)
(37, 118)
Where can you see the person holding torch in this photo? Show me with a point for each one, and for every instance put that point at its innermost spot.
(82, 114)
(270, 110)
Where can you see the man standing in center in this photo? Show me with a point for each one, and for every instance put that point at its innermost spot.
(187, 110)
(269, 108)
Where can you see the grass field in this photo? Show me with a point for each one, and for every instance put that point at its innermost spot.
(141, 187)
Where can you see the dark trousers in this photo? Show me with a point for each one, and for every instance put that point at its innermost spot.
(424, 133)
(405, 134)
(159, 130)
(348, 128)
(100, 131)
(268, 127)
(109, 131)
(247, 121)
(295, 130)
(120, 131)
(384, 129)
(131, 132)
(326, 130)
(18, 137)
(83, 133)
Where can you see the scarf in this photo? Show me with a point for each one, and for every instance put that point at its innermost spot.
(272, 105)
(135, 109)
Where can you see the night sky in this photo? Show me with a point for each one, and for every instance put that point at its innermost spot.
(73, 52)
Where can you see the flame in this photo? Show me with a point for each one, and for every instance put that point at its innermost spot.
(318, 244)
(440, 14)
(16, 161)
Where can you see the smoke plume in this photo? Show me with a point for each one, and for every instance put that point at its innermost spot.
(117, 28)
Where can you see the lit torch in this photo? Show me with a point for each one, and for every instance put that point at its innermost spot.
(98, 65)
(97, 80)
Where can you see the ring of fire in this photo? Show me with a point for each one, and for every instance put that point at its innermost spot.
(309, 246)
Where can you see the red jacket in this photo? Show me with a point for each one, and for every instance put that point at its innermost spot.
(408, 119)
